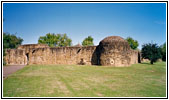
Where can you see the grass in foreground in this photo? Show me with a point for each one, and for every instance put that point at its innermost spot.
(139, 80)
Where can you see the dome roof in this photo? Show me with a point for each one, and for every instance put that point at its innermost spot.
(115, 42)
(111, 39)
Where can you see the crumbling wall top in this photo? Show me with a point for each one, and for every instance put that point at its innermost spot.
(26, 46)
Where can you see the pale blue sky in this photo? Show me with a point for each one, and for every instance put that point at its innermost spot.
(145, 22)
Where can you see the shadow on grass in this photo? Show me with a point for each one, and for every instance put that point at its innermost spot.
(146, 63)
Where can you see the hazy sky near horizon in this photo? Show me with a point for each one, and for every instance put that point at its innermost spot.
(144, 22)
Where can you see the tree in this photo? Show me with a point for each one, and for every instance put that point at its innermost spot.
(133, 43)
(54, 40)
(151, 51)
(10, 41)
(88, 41)
(163, 51)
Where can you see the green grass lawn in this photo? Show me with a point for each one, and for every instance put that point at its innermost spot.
(138, 80)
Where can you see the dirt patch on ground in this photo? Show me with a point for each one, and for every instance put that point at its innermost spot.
(7, 70)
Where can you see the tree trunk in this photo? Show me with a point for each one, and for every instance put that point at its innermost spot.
(151, 62)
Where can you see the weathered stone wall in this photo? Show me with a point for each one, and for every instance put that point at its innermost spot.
(28, 47)
(15, 57)
(62, 55)
(134, 57)
(113, 51)
(34, 46)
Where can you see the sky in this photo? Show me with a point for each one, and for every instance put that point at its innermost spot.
(144, 22)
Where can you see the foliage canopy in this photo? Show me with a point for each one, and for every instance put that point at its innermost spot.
(88, 41)
(163, 51)
(11, 41)
(133, 43)
(54, 40)
(151, 51)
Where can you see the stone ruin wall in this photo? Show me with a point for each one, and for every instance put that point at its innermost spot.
(115, 51)
(119, 58)
(111, 51)
(19, 56)
(45, 55)
(61, 55)
(15, 57)
(135, 57)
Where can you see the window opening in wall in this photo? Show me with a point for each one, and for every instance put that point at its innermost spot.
(78, 51)
(33, 51)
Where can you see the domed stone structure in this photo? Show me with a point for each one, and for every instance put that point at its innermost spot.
(114, 51)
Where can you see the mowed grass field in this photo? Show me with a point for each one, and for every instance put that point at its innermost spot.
(138, 80)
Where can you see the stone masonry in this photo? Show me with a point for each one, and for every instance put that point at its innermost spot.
(112, 51)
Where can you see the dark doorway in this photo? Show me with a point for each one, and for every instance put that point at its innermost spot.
(27, 55)
(96, 55)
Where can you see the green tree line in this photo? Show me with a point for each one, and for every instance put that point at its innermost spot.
(55, 40)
